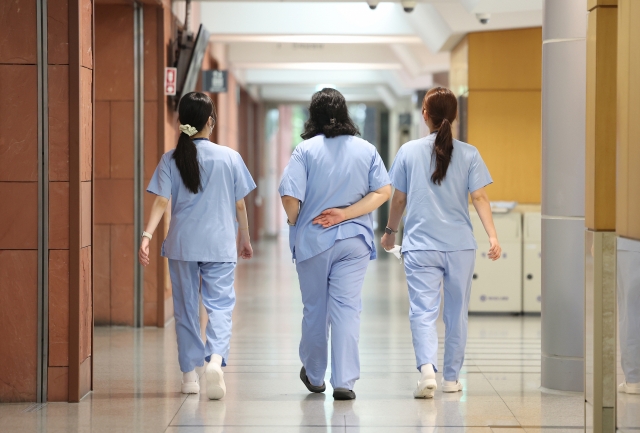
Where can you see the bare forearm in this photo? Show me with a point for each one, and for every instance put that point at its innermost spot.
(483, 207)
(291, 207)
(157, 210)
(241, 215)
(368, 203)
(398, 205)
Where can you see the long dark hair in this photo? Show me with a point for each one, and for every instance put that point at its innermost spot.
(441, 106)
(194, 109)
(328, 115)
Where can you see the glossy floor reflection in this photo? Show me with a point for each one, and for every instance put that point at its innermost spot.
(137, 379)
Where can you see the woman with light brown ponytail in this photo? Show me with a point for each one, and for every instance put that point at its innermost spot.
(433, 177)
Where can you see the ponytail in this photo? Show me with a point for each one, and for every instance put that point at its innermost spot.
(194, 112)
(442, 151)
(186, 156)
(441, 106)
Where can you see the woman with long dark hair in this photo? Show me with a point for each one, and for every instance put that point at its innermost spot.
(209, 229)
(433, 177)
(331, 185)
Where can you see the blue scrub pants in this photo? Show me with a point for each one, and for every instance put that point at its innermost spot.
(218, 297)
(426, 270)
(331, 285)
(628, 317)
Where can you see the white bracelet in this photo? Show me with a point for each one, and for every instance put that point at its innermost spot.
(147, 235)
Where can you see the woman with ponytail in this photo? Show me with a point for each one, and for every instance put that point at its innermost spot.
(331, 185)
(433, 177)
(209, 229)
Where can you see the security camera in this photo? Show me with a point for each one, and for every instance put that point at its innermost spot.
(408, 5)
(483, 18)
(373, 4)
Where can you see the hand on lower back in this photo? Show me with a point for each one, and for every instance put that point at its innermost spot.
(330, 217)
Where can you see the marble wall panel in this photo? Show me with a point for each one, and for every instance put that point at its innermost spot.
(18, 24)
(58, 215)
(58, 384)
(58, 308)
(58, 32)
(122, 261)
(103, 140)
(114, 201)
(122, 136)
(18, 321)
(19, 216)
(102, 273)
(18, 118)
(58, 123)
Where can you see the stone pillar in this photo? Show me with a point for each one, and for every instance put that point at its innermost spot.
(600, 218)
(46, 172)
(563, 167)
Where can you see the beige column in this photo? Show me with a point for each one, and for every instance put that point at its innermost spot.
(600, 218)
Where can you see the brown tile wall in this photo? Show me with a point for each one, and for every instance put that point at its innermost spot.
(114, 165)
(18, 321)
(19, 198)
(113, 228)
(19, 193)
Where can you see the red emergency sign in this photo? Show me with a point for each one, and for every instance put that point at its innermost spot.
(170, 76)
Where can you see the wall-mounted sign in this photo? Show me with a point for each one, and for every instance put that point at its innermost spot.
(214, 81)
(170, 79)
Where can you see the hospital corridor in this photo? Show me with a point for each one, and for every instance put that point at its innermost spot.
(135, 389)
(319, 216)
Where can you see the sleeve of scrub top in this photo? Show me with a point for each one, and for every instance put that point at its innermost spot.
(378, 176)
(160, 183)
(398, 173)
(294, 178)
(243, 183)
(479, 176)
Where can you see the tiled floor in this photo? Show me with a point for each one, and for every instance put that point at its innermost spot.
(137, 379)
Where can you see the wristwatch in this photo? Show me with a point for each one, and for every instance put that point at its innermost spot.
(290, 223)
(146, 235)
(389, 231)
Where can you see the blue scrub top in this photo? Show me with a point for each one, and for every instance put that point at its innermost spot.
(326, 173)
(437, 217)
(203, 226)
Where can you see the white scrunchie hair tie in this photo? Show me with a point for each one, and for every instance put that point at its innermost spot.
(189, 130)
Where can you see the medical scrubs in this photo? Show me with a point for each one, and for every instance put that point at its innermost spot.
(438, 245)
(326, 173)
(201, 243)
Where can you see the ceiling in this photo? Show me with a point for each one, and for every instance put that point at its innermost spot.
(285, 50)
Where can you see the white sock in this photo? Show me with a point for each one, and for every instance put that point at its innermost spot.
(190, 376)
(427, 371)
(216, 359)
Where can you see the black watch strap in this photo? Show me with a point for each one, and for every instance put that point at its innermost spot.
(389, 231)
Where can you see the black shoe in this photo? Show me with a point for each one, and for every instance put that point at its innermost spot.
(343, 394)
(310, 387)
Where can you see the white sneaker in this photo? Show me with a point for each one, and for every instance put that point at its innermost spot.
(216, 389)
(629, 388)
(451, 386)
(427, 384)
(191, 387)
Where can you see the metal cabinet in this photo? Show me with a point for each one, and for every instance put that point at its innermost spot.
(497, 286)
(531, 262)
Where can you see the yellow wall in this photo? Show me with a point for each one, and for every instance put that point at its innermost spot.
(600, 179)
(504, 114)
